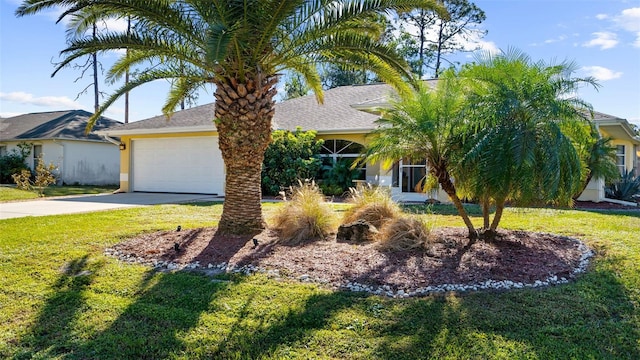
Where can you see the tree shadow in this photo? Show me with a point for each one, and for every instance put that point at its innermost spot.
(51, 334)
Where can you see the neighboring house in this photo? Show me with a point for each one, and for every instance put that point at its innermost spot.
(182, 155)
(59, 136)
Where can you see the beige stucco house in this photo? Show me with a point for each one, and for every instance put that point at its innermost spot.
(182, 155)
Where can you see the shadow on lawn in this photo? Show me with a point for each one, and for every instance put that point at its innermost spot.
(593, 318)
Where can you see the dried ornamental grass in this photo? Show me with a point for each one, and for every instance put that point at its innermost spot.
(305, 216)
(372, 204)
(404, 233)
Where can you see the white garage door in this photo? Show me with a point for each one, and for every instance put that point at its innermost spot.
(181, 165)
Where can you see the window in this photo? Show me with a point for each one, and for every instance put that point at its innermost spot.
(37, 152)
(343, 150)
(413, 174)
(620, 159)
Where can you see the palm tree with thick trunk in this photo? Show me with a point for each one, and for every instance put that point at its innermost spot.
(240, 48)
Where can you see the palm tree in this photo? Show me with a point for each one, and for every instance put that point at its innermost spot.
(597, 154)
(240, 47)
(515, 149)
(425, 125)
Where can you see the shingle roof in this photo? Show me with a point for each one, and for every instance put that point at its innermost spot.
(337, 113)
(198, 116)
(69, 125)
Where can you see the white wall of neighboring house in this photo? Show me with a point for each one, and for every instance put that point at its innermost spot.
(78, 162)
(91, 163)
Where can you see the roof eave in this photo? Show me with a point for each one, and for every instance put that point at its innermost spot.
(166, 130)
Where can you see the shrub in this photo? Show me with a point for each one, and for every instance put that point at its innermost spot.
(626, 188)
(339, 175)
(291, 156)
(13, 162)
(404, 233)
(43, 177)
(372, 204)
(304, 216)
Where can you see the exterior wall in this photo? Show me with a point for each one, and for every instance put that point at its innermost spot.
(81, 162)
(125, 155)
(90, 163)
(594, 191)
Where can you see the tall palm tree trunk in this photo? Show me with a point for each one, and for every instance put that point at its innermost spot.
(243, 118)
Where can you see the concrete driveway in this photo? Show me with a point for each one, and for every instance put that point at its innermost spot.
(88, 203)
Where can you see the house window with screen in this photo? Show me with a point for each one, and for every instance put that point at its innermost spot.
(620, 160)
(335, 150)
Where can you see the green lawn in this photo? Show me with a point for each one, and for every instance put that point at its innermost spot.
(60, 297)
(12, 194)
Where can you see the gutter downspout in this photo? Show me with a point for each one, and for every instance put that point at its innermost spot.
(111, 140)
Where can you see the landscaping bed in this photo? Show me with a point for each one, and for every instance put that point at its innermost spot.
(514, 259)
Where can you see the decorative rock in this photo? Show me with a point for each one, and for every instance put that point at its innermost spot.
(358, 231)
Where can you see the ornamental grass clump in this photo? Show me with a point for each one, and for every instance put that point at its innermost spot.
(304, 216)
(404, 233)
(371, 204)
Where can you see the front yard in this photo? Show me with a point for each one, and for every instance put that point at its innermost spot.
(10, 193)
(60, 297)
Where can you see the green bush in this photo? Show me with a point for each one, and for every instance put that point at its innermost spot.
(626, 188)
(339, 175)
(290, 157)
(13, 163)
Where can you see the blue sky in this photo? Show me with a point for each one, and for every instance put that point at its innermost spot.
(601, 36)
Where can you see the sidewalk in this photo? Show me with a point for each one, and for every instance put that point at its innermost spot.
(88, 203)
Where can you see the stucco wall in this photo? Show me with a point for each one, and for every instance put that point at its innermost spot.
(88, 163)
(81, 162)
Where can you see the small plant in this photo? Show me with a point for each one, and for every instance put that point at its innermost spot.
(372, 204)
(404, 233)
(305, 215)
(626, 188)
(339, 175)
(43, 177)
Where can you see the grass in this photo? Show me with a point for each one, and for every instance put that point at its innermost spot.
(61, 298)
(12, 194)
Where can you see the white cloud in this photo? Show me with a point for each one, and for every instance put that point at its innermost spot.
(49, 101)
(557, 39)
(629, 19)
(602, 16)
(601, 73)
(605, 40)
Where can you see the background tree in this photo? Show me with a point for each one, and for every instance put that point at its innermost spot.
(239, 47)
(514, 147)
(295, 87)
(436, 36)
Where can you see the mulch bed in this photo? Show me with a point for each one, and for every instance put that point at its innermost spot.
(517, 256)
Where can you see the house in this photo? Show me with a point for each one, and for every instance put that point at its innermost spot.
(182, 155)
(627, 145)
(59, 136)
